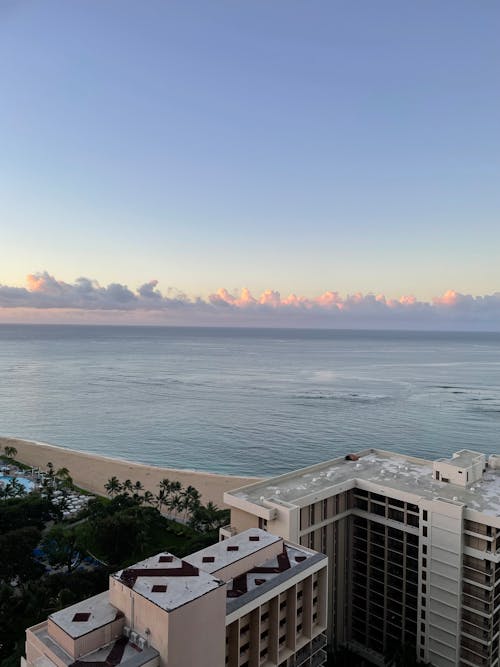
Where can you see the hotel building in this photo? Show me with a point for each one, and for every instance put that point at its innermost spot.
(413, 549)
(253, 600)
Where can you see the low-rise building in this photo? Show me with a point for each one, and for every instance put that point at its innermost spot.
(252, 600)
(413, 548)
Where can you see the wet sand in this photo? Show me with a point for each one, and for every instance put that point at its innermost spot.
(92, 471)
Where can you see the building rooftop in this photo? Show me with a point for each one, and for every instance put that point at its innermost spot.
(220, 555)
(463, 459)
(394, 471)
(167, 581)
(259, 575)
(85, 616)
(120, 652)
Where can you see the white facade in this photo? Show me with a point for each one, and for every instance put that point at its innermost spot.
(414, 557)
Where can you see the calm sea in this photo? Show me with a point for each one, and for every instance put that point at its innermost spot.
(248, 401)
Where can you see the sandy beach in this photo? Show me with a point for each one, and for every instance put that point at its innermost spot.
(91, 471)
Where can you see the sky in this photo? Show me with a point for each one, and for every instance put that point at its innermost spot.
(210, 159)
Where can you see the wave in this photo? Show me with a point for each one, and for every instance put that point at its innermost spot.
(341, 396)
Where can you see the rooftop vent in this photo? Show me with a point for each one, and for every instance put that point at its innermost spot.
(254, 538)
(165, 559)
(208, 559)
(233, 547)
(159, 588)
(81, 617)
(299, 559)
(352, 457)
(258, 582)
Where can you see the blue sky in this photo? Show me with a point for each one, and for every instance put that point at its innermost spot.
(292, 146)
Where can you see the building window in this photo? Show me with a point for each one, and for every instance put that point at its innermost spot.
(424, 514)
(311, 515)
(424, 531)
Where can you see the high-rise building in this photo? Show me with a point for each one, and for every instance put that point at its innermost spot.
(413, 549)
(253, 600)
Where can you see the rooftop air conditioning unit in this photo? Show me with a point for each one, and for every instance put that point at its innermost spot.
(133, 637)
(141, 643)
(126, 631)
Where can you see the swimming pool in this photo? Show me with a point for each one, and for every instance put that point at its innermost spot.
(28, 485)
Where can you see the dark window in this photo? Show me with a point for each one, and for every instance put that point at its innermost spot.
(81, 617)
(159, 588)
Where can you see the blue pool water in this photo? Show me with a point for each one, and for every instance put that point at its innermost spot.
(25, 482)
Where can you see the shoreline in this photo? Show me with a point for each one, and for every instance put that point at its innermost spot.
(91, 471)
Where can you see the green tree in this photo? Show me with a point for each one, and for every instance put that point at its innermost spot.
(192, 500)
(148, 497)
(128, 486)
(16, 555)
(208, 518)
(62, 475)
(10, 452)
(115, 538)
(161, 499)
(64, 547)
(113, 486)
(30, 510)
(13, 489)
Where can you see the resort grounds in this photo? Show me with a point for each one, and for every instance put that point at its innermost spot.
(92, 471)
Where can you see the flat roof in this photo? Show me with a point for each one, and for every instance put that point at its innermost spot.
(127, 657)
(85, 616)
(463, 459)
(167, 581)
(231, 550)
(269, 574)
(391, 471)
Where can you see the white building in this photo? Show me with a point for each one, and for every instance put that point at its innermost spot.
(413, 548)
(250, 601)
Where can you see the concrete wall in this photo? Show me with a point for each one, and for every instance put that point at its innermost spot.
(442, 534)
(198, 631)
(242, 520)
(92, 471)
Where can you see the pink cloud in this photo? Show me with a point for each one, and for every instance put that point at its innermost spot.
(45, 298)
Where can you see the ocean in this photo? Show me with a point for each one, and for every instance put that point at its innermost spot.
(249, 401)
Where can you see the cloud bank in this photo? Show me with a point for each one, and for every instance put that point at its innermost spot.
(46, 299)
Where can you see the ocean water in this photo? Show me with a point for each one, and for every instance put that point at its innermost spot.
(249, 401)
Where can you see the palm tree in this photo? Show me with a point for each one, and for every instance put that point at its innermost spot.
(63, 475)
(138, 486)
(14, 489)
(148, 497)
(113, 486)
(10, 452)
(127, 485)
(161, 499)
(175, 504)
(192, 498)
